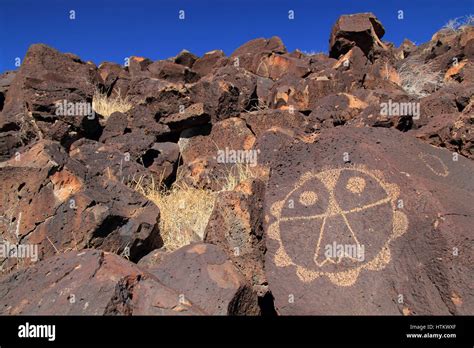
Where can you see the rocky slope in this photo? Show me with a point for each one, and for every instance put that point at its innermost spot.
(367, 150)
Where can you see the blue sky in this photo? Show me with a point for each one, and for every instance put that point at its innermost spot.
(110, 30)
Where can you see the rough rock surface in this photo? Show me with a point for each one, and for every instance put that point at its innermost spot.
(56, 203)
(47, 77)
(362, 30)
(90, 282)
(204, 275)
(236, 224)
(5, 81)
(379, 190)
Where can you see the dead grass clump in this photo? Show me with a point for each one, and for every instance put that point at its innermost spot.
(185, 210)
(235, 175)
(459, 23)
(106, 106)
(312, 52)
(418, 78)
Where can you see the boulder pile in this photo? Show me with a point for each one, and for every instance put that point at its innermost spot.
(359, 198)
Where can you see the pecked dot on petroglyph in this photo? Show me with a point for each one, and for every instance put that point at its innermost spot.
(356, 184)
(359, 189)
(308, 198)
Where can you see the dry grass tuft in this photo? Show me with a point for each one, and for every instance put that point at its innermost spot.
(185, 210)
(312, 52)
(106, 106)
(237, 174)
(459, 23)
(418, 78)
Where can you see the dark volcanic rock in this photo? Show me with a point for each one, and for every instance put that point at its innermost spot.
(185, 58)
(138, 66)
(208, 62)
(205, 163)
(227, 92)
(366, 108)
(172, 72)
(406, 48)
(5, 80)
(115, 79)
(203, 275)
(236, 225)
(47, 80)
(362, 30)
(153, 259)
(108, 161)
(105, 160)
(249, 55)
(262, 120)
(90, 282)
(275, 66)
(336, 110)
(71, 206)
(373, 221)
(231, 133)
(162, 159)
(145, 88)
(192, 116)
(452, 131)
(304, 94)
(132, 152)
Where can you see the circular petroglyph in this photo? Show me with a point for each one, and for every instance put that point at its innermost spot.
(341, 208)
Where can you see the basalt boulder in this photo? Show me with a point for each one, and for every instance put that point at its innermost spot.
(5, 80)
(194, 115)
(204, 276)
(72, 206)
(452, 131)
(206, 64)
(209, 158)
(172, 72)
(227, 92)
(185, 58)
(373, 221)
(249, 56)
(50, 97)
(89, 282)
(363, 30)
(114, 79)
(261, 120)
(109, 161)
(236, 225)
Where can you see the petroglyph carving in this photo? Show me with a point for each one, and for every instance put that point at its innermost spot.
(349, 206)
(435, 164)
